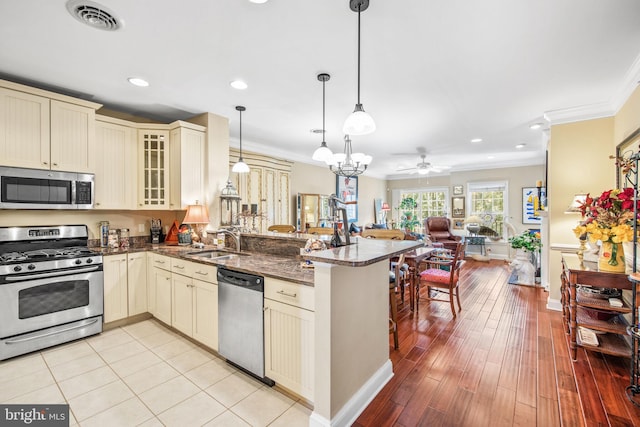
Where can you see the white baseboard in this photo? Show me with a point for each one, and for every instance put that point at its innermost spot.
(358, 402)
(554, 304)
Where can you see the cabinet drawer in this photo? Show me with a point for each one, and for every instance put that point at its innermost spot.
(180, 266)
(206, 273)
(289, 293)
(161, 261)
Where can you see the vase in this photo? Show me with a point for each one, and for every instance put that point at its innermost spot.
(611, 257)
(523, 270)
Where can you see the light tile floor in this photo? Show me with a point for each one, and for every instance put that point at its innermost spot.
(145, 375)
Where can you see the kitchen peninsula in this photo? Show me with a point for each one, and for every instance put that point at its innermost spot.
(341, 308)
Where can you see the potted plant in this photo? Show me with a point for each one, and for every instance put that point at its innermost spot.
(526, 241)
(407, 220)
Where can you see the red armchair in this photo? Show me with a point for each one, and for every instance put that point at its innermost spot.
(438, 229)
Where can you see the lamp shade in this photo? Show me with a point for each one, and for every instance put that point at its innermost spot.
(574, 207)
(359, 123)
(322, 153)
(385, 207)
(473, 219)
(240, 167)
(196, 214)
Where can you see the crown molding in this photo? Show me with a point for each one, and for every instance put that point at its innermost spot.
(601, 109)
(580, 113)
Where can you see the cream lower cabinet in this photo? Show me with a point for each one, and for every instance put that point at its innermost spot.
(195, 301)
(125, 285)
(289, 335)
(115, 287)
(159, 289)
(137, 282)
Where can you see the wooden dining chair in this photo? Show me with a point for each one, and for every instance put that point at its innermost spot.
(327, 231)
(397, 278)
(373, 233)
(441, 275)
(282, 228)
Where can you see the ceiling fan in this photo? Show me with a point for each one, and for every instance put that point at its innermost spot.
(423, 167)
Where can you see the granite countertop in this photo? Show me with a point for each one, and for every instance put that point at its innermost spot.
(363, 252)
(279, 267)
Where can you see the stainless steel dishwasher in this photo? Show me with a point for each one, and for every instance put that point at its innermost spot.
(241, 321)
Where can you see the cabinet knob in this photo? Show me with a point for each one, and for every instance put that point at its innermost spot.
(55, 164)
(97, 203)
(45, 163)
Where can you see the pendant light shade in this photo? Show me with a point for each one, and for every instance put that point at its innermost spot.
(359, 122)
(322, 153)
(240, 166)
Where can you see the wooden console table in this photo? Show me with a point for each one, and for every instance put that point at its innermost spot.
(575, 305)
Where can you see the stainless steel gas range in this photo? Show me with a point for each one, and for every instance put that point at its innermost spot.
(51, 287)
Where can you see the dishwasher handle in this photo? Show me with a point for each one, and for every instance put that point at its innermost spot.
(244, 280)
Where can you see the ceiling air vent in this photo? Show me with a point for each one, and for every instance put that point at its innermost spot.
(94, 15)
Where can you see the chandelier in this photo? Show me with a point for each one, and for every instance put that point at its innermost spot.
(348, 164)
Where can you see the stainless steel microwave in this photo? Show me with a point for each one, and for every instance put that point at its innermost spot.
(45, 189)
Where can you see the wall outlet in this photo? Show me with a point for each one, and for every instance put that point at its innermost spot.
(141, 228)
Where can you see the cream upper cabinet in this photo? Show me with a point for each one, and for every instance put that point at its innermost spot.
(116, 163)
(24, 130)
(44, 130)
(187, 153)
(73, 138)
(153, 169)
(266, 186)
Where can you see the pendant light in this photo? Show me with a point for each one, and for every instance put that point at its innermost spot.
(240, 166)
(348, 164)
(359, 122)
(322, 153)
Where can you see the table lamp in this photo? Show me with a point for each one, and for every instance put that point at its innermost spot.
(197, 214)
(473, 224)
(383, 212)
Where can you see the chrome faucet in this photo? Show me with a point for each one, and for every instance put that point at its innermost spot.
(235, 235)
(335, 214)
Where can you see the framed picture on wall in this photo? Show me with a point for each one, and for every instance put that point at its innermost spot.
(531, 204)
(624, 150)
(457, 207)
(347, 190)
(458, 190)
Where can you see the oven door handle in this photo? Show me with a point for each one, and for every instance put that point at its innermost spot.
(59, 331)
(51, 274)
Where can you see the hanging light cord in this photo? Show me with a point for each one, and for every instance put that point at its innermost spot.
(359, 5)
(323, 82)
(240, 111)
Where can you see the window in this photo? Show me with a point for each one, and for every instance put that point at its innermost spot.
(488, 200)
(432, 202)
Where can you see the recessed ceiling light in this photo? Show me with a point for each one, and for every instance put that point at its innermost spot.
(238, 84)
(535, 126)
(137, 81)
(258, 1)
(476, 140)
(520, 145)
(491, 157)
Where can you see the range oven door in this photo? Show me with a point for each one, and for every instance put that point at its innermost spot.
(41, 302)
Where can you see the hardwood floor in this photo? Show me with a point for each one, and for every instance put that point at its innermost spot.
(504, 361)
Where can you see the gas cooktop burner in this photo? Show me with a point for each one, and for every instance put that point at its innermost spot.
(45, 254)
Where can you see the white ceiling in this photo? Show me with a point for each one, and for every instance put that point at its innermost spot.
(435, 74)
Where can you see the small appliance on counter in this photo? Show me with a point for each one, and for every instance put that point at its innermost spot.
(156, 231)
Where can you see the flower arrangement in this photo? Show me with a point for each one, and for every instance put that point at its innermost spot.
(527, 240)
(609, 218)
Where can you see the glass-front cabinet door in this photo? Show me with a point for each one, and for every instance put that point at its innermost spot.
(153, 191)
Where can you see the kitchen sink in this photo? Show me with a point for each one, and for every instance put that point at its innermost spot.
(217, 255)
